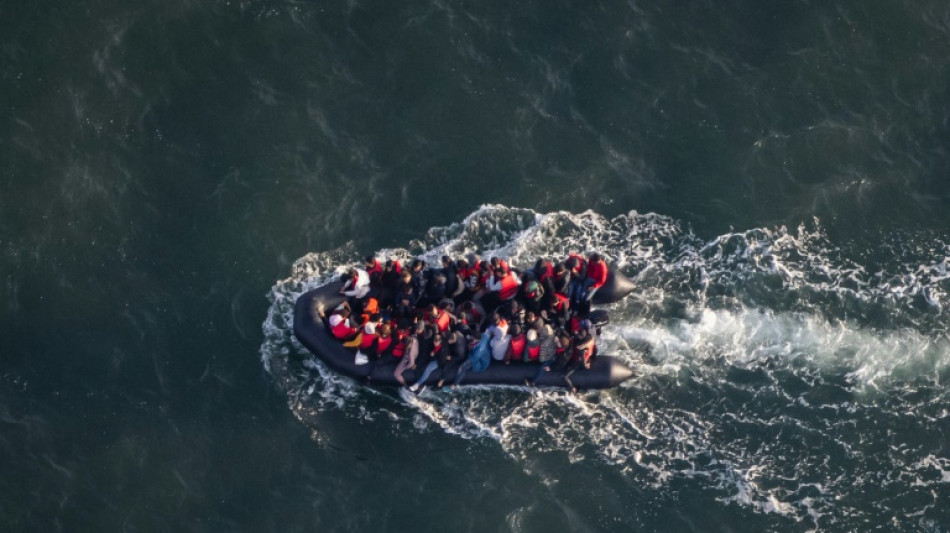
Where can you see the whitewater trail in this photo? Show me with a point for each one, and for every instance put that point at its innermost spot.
(768, 361)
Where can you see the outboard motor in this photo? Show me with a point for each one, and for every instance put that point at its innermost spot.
(599, 318)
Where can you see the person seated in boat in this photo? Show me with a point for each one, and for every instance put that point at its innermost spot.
(582, 355)
(340, 325)
(389, 283)
(512, 311)
(453, 285)
(533, 321)
(577, 266)
(499, 337)
(417, 273)
(356, 288)
(532, 292)
(368, 331)
(561, 281)
(532, 346)
(502, 286)
(470, 315)
(430, 344)
(411, 352)
(596, 275)
(557, 312)
(371, 265)
(439, 318)
(564, 350)
(516, 344)
(457, 349)
(407, 299)
(548, 345)
(498, 263)
(436, 288)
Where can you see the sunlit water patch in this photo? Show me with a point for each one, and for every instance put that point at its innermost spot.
(776, 370)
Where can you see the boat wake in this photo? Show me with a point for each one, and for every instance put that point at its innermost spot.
(776, 370)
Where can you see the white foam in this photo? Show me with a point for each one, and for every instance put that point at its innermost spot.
(771, 302)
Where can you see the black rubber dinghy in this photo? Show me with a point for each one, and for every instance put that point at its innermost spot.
(312, 332)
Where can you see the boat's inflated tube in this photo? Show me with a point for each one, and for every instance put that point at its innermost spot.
(312, 332)
(614, 289)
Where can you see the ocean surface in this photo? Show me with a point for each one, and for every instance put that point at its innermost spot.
(774, 175)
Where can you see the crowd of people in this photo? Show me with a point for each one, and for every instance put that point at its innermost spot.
(465, 314)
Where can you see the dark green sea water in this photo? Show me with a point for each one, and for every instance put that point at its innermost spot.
(775, 175)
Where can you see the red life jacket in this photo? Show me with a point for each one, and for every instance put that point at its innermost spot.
(574, 324)
(597, 271)
(343, 330)
(534, 352)
(442, 321)
(561, 302)
(547, 272)
(580, 261)
(382, 343)
(509, 287)
(400, 340)
(375, 268)
(517, 346)
(367, 339)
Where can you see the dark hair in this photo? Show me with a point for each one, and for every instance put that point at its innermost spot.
(595, 257)
(375, 317)
(461, 264)
(370, 258)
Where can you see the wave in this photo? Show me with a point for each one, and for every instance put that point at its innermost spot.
(776, 368)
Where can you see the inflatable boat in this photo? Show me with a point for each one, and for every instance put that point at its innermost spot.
(313, 332)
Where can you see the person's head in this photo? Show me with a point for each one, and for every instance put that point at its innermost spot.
(375, 318)
(446, 261)
(354, 272)
(532, 337)
(390, 264)
(417, 265)
(461, 264)
(433, 309)
(595, 257)
(406, 276)
(559, 268)
(515, 330)
(530, 317)
(370, 260)
(384, 330)
(572, 263)
(419, 328)
(345, 312)
(582, 334)
(495, 319)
